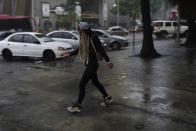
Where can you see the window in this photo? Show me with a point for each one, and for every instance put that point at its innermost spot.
(158, 24)
(4, 35)
(175, 24)
(167, 24)
(120, 29)
(115, 29)
(98, 33)
(16, 38)
(68, 35)
(56, 35)
(30, 39)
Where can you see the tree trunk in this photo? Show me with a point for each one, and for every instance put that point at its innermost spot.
(191, 39)
(148, 50)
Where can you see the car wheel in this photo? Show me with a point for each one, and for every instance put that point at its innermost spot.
(7, 55)
(159, 36)
(164, 34)
(49, 55)
(115, 46)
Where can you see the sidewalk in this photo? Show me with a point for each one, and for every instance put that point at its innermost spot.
(149, 95)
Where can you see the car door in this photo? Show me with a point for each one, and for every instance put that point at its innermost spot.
(16, 45)
(32, 46)
(169, 28)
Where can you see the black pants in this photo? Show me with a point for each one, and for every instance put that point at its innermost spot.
(90, 74)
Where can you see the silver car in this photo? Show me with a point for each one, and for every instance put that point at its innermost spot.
(112, 41)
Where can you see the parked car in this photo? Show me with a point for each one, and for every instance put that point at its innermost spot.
(4, 34)
(117, 30)
(65, 36)
(164, 28)
(76, 34)
(32, 44)
(112, 41)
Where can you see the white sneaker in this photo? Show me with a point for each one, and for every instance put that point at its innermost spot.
(75, 108)
(107, 101)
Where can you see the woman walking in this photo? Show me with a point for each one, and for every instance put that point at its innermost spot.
(90, 46)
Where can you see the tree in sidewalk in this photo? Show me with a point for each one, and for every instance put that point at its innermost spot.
(148, 50)
(191, 39)
(187, 11)
(130, 7)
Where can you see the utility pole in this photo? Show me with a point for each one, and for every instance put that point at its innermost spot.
(35, 21)
(32, 9)
(1, 6)
(118, 15)
(178, 25)
(78, 13)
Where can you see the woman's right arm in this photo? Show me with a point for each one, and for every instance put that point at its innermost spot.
(67, 55)
(74, 52)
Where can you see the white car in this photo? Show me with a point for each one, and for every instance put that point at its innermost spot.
(33, 44)
(65, 36)
(164, 28)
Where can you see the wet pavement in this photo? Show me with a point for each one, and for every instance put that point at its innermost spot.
(149, 94)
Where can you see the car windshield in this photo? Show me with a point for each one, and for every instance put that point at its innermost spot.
(105, 33)
(44, 38)
(158, 24)
(76, 33)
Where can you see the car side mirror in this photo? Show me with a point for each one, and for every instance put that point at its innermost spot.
(74, 38)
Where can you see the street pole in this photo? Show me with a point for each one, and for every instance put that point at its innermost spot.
(14, 6)
(1, 6)
(32, 9)
(118, 15)
(78, 14)
(33, 16)
(133, 30)
(178, 26)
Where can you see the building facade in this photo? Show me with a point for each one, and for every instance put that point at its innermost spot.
(46, 12)
(99, 13)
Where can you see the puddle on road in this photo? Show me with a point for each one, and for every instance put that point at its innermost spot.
(10, 72)
(41, 67)
(139, 126)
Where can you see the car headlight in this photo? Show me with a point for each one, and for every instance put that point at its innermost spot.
(61, 49)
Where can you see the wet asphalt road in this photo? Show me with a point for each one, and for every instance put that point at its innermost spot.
(149, 95)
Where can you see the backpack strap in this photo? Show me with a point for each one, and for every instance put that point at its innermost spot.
(93, 46)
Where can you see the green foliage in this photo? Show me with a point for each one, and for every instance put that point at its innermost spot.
(69, 19)
(127, 7)
(66, 21)
(173, 2)
(155, 5)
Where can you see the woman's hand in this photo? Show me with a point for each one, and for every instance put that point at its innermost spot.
(65, 56)
(110, 65)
